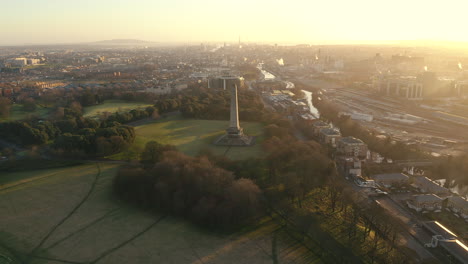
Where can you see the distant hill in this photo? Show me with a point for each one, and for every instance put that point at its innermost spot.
(123, 42)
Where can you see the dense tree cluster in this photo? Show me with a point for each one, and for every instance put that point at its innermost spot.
(28, 133)
(193, 188)
(213, 104)
(95, 141)
(132, 115)
(70, 134)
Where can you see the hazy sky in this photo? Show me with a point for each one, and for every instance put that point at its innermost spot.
(306, 21)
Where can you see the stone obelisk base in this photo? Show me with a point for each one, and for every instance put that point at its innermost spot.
(234, 137)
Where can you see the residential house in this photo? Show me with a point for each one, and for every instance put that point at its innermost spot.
(425, 202)
(349, 166)
(391, 179)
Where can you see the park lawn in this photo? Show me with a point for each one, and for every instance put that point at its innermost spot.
(112, 106)
(191, 136)
(17, 113)
(104, 228)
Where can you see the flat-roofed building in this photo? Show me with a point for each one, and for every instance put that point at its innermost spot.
(351, 146)
(329, 136)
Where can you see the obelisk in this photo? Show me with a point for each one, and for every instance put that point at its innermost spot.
(234, 133)
(234, 129)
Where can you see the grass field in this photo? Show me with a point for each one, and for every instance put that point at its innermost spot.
(69, 215)
(192, 135)
(17, 113)
(112, 106)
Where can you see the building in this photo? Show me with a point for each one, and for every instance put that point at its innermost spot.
(17, 62)
(391, 179)
(349, 166)
(351, 146)
(425, 185)
(407, 87)
(329, 136)
(445, 239)
(425, 202)
(33, 61)
(459, 206)
(362, 117)
(226, 81)
(318, 125)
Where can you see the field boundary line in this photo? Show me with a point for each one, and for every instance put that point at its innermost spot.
(93, 185)
(111, 250)
(82, 228)
(58, 260)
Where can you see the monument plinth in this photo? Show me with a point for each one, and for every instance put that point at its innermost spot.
(234, 133)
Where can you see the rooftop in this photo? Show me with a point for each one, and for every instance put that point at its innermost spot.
(351, 140)
(391, 176)
(459, 201)
(428, 185)
(330, 132)
(320, 124)
(422, 198)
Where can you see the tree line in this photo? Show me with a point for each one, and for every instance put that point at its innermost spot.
(192, 187)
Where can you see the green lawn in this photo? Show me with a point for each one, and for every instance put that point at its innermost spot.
(112, 106)
(100, 225)
(17, 113)
(192, 135)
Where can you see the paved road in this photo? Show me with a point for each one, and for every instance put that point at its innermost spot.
(415, 235)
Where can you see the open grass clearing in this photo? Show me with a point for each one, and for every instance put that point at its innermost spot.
(112, 106)
(17, 113)
(190, 136)
(113, 232)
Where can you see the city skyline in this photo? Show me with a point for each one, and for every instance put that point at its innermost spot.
(183, 21)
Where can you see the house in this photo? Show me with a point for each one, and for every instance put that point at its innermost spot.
(351, 146)
(425, 185)
(349, 166)
(425, 202)
(458, 205)
(329, 136)
(318, 125)
(391, 179)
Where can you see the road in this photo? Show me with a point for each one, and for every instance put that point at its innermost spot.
(415, 236)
